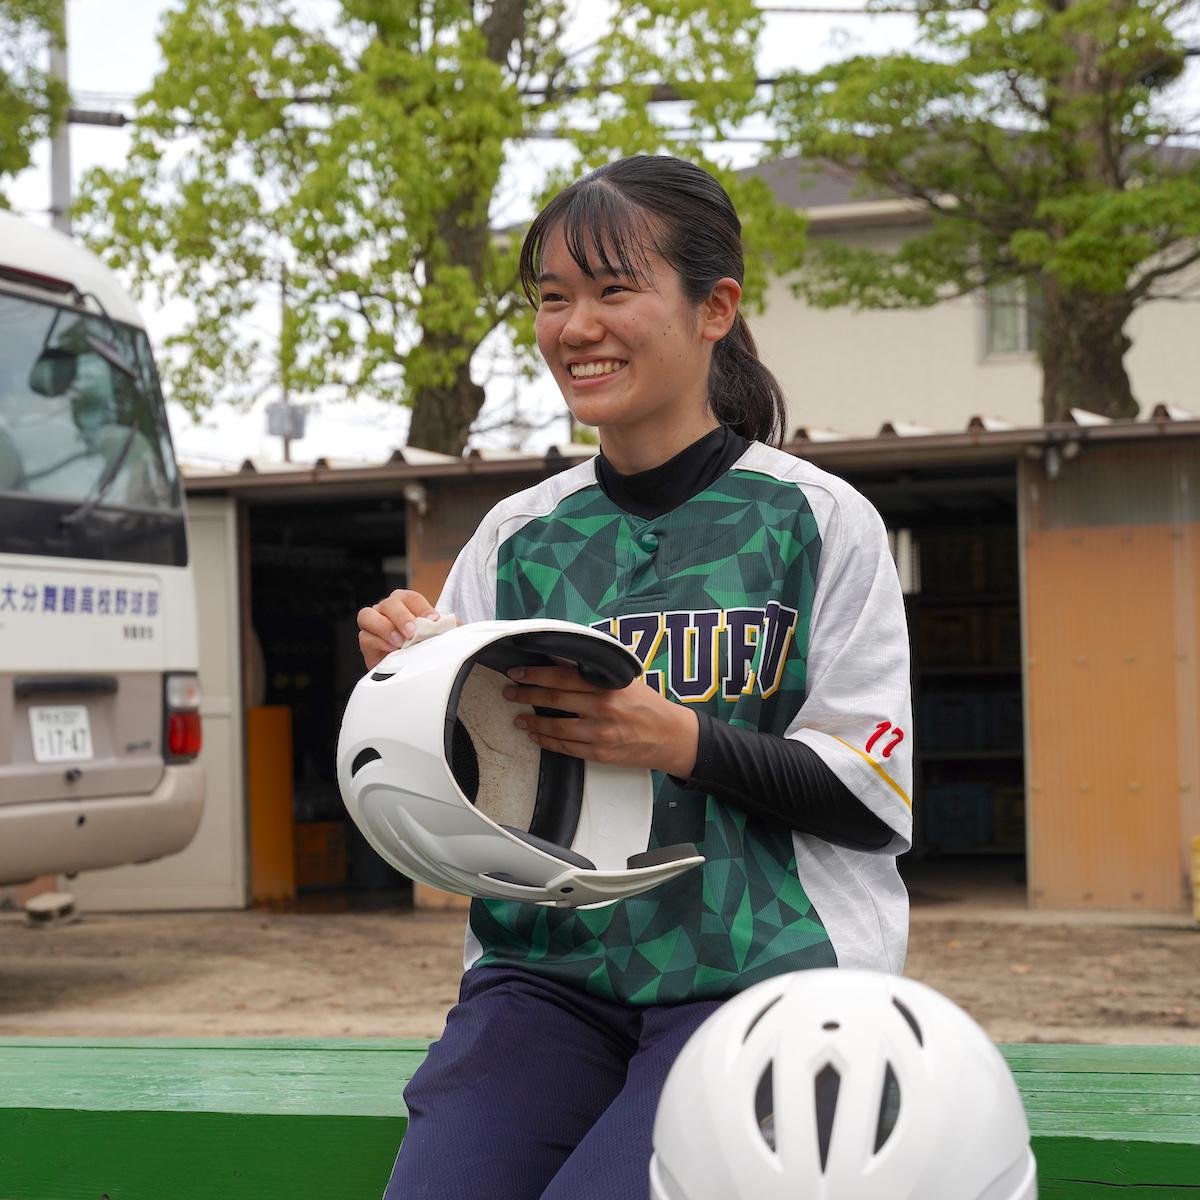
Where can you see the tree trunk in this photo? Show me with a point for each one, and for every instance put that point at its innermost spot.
(1082, 347)
(1082, 342)
(442, 416)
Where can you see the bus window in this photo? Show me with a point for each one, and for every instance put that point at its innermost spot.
(83, 431)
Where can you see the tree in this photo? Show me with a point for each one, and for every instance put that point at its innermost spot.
(31, 104)
(367, 161)
(1040, 136)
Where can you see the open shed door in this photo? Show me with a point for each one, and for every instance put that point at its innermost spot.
(211, 871)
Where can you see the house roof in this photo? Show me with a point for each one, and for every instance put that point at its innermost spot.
(831, 194)
(803, 184)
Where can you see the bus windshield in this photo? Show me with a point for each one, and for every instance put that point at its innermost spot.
(86, 463)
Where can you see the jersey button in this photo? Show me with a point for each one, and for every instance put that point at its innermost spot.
(648, 542)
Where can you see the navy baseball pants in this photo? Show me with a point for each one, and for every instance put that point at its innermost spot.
(538, 1091)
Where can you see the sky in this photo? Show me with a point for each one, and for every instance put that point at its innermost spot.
(113, 49)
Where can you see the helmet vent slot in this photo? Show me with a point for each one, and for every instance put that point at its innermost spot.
(826, 1086)
(367, 755)
(766, 1009)
(764, 1106)
(889, 1108)
(382, 676)
(912, 1021)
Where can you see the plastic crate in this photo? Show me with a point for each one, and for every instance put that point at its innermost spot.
(1001, 565)
(951, 562)
(1004, 636)
(1005, 721)
(957, 816)
(951, 636)
(1008, 818)
(952, 720)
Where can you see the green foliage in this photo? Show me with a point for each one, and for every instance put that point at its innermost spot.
(1035, 132)
(31, 104)
(369, 158)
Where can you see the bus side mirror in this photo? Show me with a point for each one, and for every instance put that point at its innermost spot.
(53, 372)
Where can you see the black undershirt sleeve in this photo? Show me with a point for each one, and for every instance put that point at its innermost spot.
(783, 780)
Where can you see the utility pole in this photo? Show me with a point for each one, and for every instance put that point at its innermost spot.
(285, 419)
(283, 366)
(60, 143)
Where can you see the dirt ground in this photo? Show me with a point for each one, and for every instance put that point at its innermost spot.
(1025, 976)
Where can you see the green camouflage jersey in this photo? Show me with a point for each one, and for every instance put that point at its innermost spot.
(768, 600)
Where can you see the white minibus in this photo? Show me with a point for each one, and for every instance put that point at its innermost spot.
(99, 695)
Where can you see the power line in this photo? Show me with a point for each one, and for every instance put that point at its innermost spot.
(809, 11)
(660, 93)
(117, 99)
(561, 135)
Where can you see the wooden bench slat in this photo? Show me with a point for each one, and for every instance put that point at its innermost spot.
(1073, 1168)
(1120, 1086)
(144, 1119)
(69, 1155)
(1099, 1108)
(289, 1078)
(1121, 1127)
(378, 1045)
(1107, 1060)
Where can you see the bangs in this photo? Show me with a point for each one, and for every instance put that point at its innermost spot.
(604, 232)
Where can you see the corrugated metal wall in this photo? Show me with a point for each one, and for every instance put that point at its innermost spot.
(453, 510)
(1112, 551)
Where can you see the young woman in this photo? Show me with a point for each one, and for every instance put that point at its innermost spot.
(760, 595)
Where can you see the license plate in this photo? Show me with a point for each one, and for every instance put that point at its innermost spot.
(61, 733)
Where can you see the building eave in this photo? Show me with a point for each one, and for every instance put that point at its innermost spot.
(975, 445)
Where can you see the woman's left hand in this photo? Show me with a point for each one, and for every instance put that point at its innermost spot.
(631, 727)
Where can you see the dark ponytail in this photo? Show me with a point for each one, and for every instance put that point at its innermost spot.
(619, 213)
(742, 393)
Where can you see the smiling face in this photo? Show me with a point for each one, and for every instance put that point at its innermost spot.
(631, 355)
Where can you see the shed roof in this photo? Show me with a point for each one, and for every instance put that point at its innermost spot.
(985, 439)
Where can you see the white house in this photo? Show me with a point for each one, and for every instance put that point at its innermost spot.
(852, 370)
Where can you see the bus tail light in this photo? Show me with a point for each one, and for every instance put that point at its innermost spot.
(181, 695)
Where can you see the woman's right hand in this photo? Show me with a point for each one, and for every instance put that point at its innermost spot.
(386, 626)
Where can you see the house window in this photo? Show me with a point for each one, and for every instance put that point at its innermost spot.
(1014, 317)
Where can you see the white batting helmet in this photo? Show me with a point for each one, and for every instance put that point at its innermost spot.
(841, 1085)
(444, 787)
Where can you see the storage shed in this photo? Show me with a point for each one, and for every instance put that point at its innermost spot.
(1054, 607)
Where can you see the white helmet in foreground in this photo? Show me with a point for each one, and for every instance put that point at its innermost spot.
(445, 788)
(841, 1085)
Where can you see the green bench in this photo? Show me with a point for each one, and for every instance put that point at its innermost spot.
(150, 1119)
